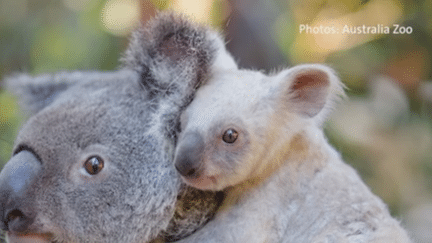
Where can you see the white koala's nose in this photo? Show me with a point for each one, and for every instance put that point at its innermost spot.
(16, 180)
(189, 155)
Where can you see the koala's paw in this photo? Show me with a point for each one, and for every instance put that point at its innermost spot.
(194, 209)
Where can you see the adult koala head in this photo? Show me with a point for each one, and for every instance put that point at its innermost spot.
(94, 161)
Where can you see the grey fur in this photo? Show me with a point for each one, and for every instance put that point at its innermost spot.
(129, 118)
(283, 181)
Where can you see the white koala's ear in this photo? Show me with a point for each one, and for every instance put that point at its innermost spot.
(223, 60)
(312, 90)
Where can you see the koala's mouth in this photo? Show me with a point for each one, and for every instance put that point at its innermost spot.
(204, 182)
(29, 238)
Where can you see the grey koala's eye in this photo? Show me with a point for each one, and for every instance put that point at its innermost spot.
(230, 136)
(94, 165)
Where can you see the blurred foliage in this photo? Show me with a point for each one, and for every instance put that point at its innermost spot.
(9, 120)
(385, 135)
(48, 36)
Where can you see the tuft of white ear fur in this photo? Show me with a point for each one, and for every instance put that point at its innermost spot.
(223, 59)
(312, 90)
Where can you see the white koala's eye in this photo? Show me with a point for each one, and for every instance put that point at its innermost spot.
(94, 165)
(230, 136)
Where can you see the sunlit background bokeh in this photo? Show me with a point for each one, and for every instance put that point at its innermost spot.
(384, 129)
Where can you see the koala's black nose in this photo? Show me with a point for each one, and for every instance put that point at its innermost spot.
(17, 221)
(16, 195)
(186, 169)
(189, 155)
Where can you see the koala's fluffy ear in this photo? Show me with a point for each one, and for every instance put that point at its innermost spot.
(35, 93)
(172, 52)
(312, 90)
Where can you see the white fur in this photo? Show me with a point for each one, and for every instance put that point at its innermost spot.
(224, 60)
(285, 183)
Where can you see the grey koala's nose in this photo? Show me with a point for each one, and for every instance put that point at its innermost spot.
(189, 155)
(16, 181)
(17, 221)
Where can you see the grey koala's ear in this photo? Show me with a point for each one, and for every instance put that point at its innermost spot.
(171, 52)
(35, 93)
(312, 90)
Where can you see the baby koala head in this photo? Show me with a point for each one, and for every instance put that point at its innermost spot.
(242, 123)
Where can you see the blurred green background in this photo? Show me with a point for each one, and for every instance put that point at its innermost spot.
(383, 129)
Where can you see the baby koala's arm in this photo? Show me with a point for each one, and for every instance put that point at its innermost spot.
(238, 223)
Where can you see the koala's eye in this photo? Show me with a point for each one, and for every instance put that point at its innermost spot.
(94, 165)
(230, 136)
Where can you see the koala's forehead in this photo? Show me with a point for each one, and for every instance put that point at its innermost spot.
(232, 85)
(85, 114)
(228, 96)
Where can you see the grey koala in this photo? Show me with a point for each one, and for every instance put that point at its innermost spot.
(93, 163)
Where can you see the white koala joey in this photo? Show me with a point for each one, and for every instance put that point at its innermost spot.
(259, 138)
